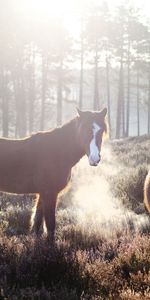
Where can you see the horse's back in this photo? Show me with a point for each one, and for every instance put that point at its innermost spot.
(17, 163)
(14, 152)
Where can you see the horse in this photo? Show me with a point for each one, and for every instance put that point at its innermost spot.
(147, 192)
(41, 163)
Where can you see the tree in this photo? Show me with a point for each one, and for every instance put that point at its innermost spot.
(81, 64)
(97, 33)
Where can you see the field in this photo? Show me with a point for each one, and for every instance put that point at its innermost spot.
(102, 248)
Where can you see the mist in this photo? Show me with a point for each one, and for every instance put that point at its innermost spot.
(95, 208)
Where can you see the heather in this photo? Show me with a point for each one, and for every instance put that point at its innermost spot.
(102, 246)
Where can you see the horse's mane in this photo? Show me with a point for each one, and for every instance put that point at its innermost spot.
(106, 129)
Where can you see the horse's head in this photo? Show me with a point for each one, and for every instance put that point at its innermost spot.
(91, 128)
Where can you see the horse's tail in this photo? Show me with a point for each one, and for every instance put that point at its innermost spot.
(147, 192)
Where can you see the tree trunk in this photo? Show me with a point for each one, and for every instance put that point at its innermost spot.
(20, 109)
(5, 116)
(148, 129)
(81, 67)
(138, 104)
(23, 108)
(128, 93)
(96, 90)
(59, 93)
(5, 104)
(31, 91)
(149, 103)
(108, 91)
(16, 103)
(44, 81)
(20, 102)
(120, 102)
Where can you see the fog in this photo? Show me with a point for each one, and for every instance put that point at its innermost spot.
(95, 208)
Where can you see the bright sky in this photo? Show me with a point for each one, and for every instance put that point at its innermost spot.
(69, 10)
(66, 7)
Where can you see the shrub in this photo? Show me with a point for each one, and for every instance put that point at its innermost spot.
(128, 186)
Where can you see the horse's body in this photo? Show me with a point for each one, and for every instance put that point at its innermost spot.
(42, 163)
(33, 164)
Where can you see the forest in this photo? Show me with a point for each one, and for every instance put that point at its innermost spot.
(49, 66)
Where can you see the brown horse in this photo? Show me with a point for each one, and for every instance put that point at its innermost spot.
(147, 192)
(42, 163)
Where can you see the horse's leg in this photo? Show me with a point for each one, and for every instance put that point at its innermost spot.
(37, 217)
(49, 207)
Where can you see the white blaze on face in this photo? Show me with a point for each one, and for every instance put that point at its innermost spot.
(94, 156)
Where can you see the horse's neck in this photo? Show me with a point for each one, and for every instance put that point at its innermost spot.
(72, 149)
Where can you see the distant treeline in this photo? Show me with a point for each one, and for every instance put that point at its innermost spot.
(44, 67)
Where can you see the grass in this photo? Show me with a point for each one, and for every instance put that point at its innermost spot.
(93, 259)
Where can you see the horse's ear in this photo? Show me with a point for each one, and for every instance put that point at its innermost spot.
(80, 112)
(103, 112)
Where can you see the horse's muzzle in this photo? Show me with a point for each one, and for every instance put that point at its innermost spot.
(94, 163)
